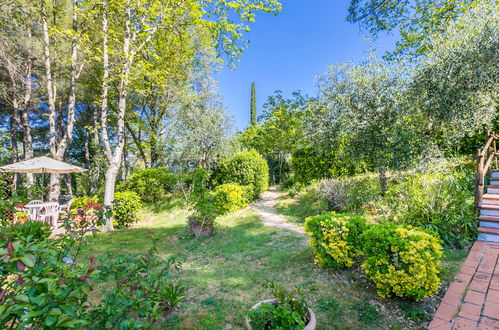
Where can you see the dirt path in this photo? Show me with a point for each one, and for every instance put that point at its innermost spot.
(265, 206)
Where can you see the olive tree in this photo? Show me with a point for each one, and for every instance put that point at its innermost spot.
(457, 87)
(363, 106)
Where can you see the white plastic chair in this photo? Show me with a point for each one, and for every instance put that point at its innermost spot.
(33, 211)
(64, 209)
(50, 213)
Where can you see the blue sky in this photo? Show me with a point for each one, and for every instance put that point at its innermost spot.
(286, 52)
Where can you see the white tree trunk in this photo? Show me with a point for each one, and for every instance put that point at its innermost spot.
(58, 149)
(111, 174)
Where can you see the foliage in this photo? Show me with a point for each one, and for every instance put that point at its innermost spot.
(440, 200)
(83, 201)
(366, 110)
(402, 261)
(246, 168)
(253, 105)
(200, 127)
(415, 20)
(229, 197)
(30, 231)
(278, 134)
(126, 208)
(334, 238)
(45, 285)
(144, 290)
(310, 163)
(456, 87)
(150, 184)
(85, 213)
(290, 311)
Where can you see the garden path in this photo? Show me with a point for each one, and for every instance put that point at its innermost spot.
(265, 207)
(472, 300)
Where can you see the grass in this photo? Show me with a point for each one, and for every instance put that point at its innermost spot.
(224, 274)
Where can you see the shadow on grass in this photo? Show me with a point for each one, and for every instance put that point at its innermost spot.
(225, 272)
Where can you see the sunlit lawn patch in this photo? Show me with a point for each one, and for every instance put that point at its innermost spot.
(224, 274)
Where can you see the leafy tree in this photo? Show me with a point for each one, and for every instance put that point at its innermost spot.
(457, 86)
(415, 20)
(200, 127)
(279, 132)
(253, 104)
(364, 106)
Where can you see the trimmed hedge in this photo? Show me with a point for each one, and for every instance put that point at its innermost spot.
(402, 261)
(151, 184)
(334, 238)
(247, 168)
(229, 198)
(126, 208)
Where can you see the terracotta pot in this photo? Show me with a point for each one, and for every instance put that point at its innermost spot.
(199, 229)
(311, 315)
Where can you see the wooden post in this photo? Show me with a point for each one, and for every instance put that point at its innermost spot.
(479, 181)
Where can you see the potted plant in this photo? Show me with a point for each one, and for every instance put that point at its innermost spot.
(287, 310)
(202, 221)
(201, 225)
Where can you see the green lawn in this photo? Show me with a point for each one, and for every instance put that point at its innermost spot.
(224, 274)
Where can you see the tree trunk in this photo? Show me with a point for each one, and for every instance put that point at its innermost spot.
(383, 180)
(58, 148)
(13, 142)
(111, 174)
(27, 138)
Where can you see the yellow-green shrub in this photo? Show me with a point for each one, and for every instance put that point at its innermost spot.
(334, 238)
(229, 197)
(402, 261)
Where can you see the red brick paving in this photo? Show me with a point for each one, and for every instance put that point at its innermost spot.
(472, 300)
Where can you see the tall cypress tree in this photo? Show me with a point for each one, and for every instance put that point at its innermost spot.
(253, 105)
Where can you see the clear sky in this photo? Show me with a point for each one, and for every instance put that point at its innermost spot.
(288, 51)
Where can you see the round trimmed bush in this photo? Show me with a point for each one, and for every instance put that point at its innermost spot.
(244, 168)
(334, 238)
(402, 261)
(229, 197)
(151, 184)
(126, 208)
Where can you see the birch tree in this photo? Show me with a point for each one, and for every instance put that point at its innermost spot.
(137, 30)
(61, 135)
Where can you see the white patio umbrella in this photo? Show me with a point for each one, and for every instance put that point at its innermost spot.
(41, 165)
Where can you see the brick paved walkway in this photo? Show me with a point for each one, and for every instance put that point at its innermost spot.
(472, 300)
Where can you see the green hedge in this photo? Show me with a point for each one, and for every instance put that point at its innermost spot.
(151, 184)
(247, 168)
(402, 261)
(126, 208)
(229, 198)
(334, 238)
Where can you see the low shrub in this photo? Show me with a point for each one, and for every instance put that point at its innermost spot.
(335, 193)
(247, 168)
(83, 201)
(31, 230)
(85, 212)
(402, 261)
(126, 208)
(229, 198)
(47, 285)
(440, 200)
(151, 184)
(309, 164)
(334, 238)
(290, 310)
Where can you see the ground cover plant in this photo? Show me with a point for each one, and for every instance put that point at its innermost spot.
(45, 283)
